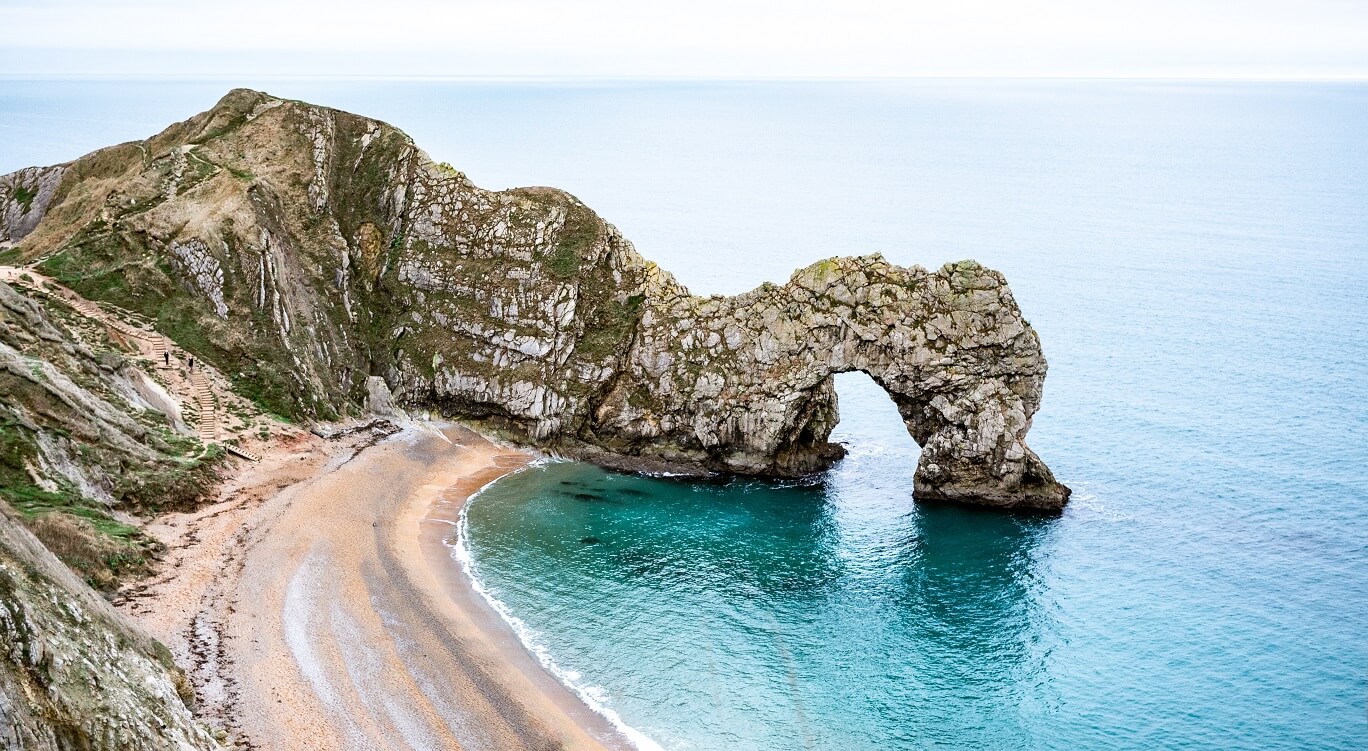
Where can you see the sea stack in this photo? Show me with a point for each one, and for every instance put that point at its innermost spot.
(311, 249)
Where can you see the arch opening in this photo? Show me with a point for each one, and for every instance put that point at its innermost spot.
(869, 425)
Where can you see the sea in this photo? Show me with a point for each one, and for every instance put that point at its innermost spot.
(1194, 255)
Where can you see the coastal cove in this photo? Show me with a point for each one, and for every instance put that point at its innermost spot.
(1192, 255)
(363, 632)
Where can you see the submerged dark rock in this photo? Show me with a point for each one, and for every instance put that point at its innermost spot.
(305, 249)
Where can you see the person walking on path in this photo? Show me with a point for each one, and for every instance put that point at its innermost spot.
(167, 356)
(192, 365)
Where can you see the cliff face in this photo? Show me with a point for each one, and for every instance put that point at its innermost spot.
(302, 249)
(73, 674)
(87, 435)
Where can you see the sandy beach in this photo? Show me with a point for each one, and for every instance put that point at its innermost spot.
(316, 605)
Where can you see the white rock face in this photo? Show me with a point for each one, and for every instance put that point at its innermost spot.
(203, 271)
(950, 347)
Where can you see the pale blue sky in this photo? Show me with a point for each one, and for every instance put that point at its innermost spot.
(701, 38)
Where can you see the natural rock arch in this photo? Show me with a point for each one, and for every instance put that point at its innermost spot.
(744, 384)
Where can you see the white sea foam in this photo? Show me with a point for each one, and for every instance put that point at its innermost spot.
(1088, 506)
(594, 697)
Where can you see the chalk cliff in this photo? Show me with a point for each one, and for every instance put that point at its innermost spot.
(302, 250)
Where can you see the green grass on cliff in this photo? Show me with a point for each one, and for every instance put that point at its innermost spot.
(578, 234)
(24, 197)
(609, 330)
(102, 264)
(80, 532)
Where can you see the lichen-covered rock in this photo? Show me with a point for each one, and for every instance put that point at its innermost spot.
(305, 249)
(743, 384)
(24, 198)
(73, 673)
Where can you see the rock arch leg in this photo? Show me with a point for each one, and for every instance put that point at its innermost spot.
(974, 449)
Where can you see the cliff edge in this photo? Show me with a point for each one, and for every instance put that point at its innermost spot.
(73, 673)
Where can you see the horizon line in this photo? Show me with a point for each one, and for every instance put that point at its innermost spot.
(513, 78)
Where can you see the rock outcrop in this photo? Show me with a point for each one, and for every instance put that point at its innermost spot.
(73, 673)
(304, 250)
(24, 197)
(743, 384)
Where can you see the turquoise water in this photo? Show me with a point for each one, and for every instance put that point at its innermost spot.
(1195, 258)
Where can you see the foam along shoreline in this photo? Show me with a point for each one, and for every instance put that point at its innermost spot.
(430, 521)
(459, 553)
(324, 611)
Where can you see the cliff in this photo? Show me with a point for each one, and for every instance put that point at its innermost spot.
(88, 435)
(302, 250)
(73, 673)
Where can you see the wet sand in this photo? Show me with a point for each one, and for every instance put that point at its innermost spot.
(316, 606)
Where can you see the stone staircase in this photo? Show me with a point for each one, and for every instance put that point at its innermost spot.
(200, 386)
(32, 281)
(208, 411)
(161, 351)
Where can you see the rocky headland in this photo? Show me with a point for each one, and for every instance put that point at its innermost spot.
(302, 250)
(316, 265)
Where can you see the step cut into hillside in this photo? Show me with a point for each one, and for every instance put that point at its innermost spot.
(301, 250)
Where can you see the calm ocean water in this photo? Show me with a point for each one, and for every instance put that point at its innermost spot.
(1195, 258)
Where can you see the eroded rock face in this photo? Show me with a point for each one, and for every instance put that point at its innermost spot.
(743, 384)
(309, 249)
(73, 673)
(24, 198)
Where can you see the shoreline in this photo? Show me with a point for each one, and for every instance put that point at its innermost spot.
(448, 515)
(315, 604)
(427, 524)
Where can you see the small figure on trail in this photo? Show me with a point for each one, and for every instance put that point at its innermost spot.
(192, 365)
(167, 355)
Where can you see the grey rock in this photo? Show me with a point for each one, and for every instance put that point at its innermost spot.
(73, 672)
(379, 401)
(24, 198)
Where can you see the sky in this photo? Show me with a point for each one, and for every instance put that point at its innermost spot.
(694, 39)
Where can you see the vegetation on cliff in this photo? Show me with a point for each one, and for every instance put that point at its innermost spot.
(80, 448)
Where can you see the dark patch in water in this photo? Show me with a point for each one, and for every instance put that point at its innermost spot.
(632, 492)
(588, 497)
(590, 540)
